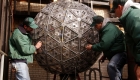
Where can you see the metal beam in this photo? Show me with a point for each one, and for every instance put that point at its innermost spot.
(4, 36)
(2, 25)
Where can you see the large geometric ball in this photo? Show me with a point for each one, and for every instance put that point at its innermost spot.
(64, 29)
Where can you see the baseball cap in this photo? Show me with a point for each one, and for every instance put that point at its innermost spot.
(96, 20)
(29, 21)
(116, 3)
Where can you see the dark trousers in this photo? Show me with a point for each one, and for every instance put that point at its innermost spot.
(115, 66)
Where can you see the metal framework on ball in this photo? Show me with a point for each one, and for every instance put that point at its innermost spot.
(64, 29)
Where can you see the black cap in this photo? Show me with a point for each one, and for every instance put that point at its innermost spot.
(96, 20)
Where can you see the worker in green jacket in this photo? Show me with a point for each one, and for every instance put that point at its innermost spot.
(21, 49)
(128, 13)
(112, 44)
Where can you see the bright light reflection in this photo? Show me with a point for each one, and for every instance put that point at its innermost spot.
(54, 0)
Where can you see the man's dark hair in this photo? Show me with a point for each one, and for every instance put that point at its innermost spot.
(116, 3)
(26, 23)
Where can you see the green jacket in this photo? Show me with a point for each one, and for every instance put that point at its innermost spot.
(131, 23)
(20, 45)
(111, 41)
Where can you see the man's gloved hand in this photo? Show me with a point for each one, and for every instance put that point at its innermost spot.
(88, 46)
(38, 45)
